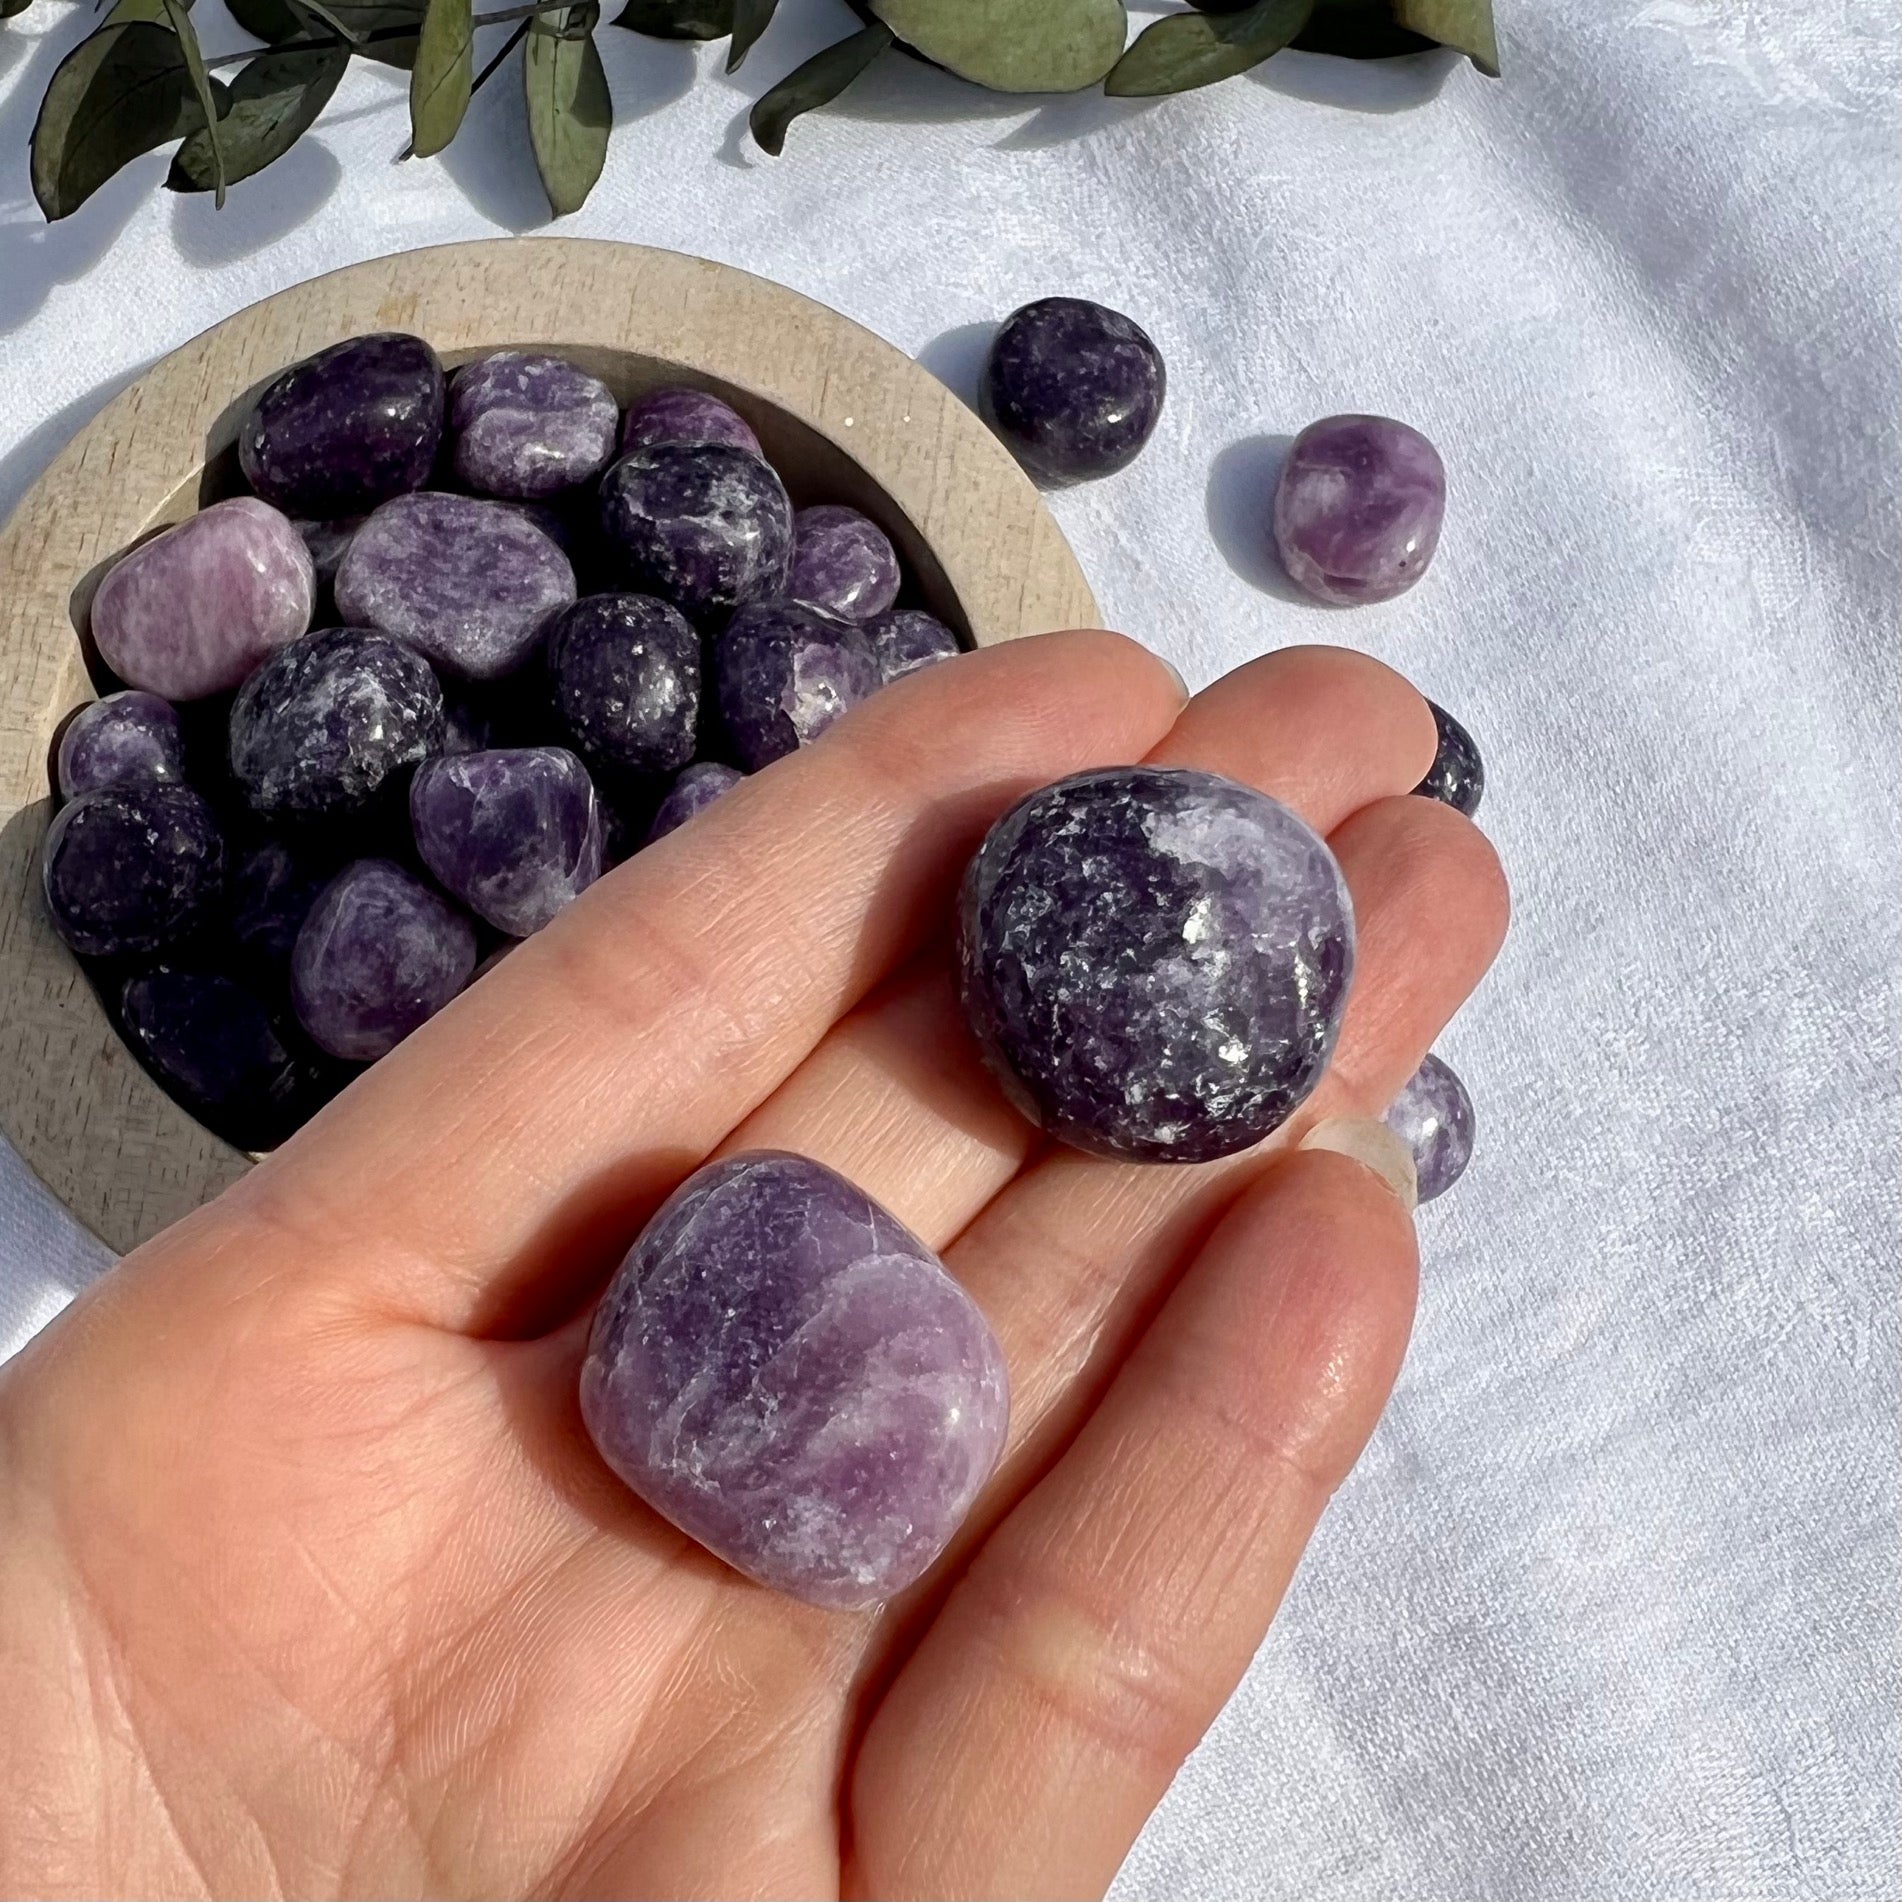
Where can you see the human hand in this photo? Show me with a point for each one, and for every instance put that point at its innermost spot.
(311, 1581)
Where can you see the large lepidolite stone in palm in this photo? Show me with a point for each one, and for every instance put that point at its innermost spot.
(468, 583)
(527, 425)
(842, 562)
(1433, 1116)
(1358, 508)
(1456, 778)
(126, 739)
(1155, 961)
(791, 1377)
(624, 674)
(131, 870)
(783, 673)
(193, 610)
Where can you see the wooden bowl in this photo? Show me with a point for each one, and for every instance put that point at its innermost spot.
(843, 415)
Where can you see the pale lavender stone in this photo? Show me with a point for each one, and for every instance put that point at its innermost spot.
(1358, 508)
(1433, 1116)
(468, 583)
(683, 415)
(790, 1376)
(515, 833)
(696, 788)
(126, 739)
(842, 562)
(1154, 961)
(132, 870)
(528, 425)
(327, 542)
(379, 954)
(783, 673)
(624, 675)
(193, 610)
(906, 639)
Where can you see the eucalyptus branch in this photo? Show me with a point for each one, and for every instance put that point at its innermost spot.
(322, 42)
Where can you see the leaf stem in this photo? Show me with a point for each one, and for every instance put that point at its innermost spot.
(499, 18)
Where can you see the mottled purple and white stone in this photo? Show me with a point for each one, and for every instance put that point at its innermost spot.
(515, 833)
(1456, 778)
(468, 583)
(842, 562)
(1154, 961)
(527, 425)
(683, 415)
(193, 610)
(126, 739)
(790, 1376)
(624, 675)
(906, 639)
(783, 673)
(696, 788)
(130, 871)
(1433, 1116)
(1358, 509)
(379, 954)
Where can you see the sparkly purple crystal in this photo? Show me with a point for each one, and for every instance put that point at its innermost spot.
(782, 673)
(842, 562)
(193, 610)
(906, 639)
(132, 870)
(348, 428)
(267, 900)
(681, 415)
(1154, 961)
(1358, 508)
(515, 834)
(126, 739)
(379, 954)
(1433, 1116)
(528, 425)
(703, 525)
(624, 674)
(327, 542)
(467, 583)
(698, 786)
(1456, 778)
(791, 1377)
(1074, 389)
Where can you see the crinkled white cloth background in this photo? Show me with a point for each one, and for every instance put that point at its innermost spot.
(1610, 1607)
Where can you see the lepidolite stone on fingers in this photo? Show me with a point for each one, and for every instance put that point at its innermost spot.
(1433, 1116)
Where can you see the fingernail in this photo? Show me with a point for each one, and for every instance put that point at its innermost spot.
(1374, 1146)
(1175, 674)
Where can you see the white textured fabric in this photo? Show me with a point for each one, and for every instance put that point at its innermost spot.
(1610, 1607)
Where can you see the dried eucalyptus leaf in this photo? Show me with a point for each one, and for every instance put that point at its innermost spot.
(751, 18)
(322, 17)
(817, 83)
(266, 20)
(275, 100)
(440, 80)
(1184, 50)
(386, 30)
(178, 17)
(1464, 25)
(1014, 45)
(678, 19)
(1359, 29)
(569, 111)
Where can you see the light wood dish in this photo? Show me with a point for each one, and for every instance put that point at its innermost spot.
(843, 415)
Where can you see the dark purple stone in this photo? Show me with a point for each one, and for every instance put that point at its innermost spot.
(132, 870)
(1358, 508)
(682, 415)
(1456, 778)
(842, 562)
(783, 673)
(691, 794)
(1433, 1116)
(790, 1376)
(1154, 961)
(1074, 389)
(348, 428)
(907, 639)
(703, 525)
(327, 542)
(379, 954)
(624, 674)
(267, 900)
(528, 425)
(468, 583)
(325, 723)
(126, 739)
(515, 834)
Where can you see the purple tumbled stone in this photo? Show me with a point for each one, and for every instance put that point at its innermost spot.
(1456, 778)
(193, 610)
(267, 899)
(624, 675)
(1358, 508)
(132, 870)
(682, 415)
(379, 954)
(842, 562)
(705, 526)
(468, 583)
(348, 428)
(691, 794)
(783, 673)
(327, 542)
(1433, 1116)
(515, 833)
(528, 425)
(126, 739)
(790, 1376)
(906, 639)
(1154, 961)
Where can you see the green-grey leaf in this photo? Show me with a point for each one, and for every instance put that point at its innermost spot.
(151, 11)
(439, 81)
(274, 101)
(1184, 50)
(178, 16)
(1014, 45)
(751, 18)
(322, 17)
(569, 111)
(1359, 29)
(364, 18)
(1465, 25)
(817, 83)
(678, 19)
(266, 20)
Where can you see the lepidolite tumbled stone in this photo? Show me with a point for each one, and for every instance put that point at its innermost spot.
(698, 786)
(527, 425)
(705, 526)
(319, 729)
(267, 898)
(468, 583)
(1154, 961)
(906, 639)
(683, 415)
(327, 542)
(193, 610)
(842, 562)
(126, 739)
(132, 870)
(1456, 778)
(783, 673)
(348, 428)
(624, 674)
(1433, 1116)
(1358, 508)
(379, 954)
(790, 1376)
(516, 834)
